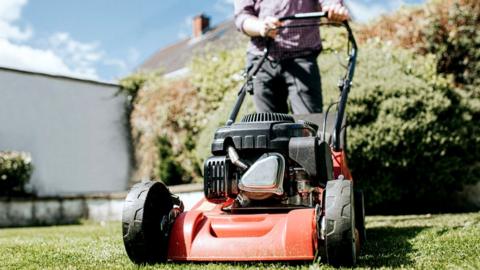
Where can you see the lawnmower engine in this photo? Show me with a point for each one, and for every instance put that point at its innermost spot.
(267, 160)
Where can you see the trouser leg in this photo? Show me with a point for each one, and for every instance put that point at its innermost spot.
(303, 80)
(269, 89)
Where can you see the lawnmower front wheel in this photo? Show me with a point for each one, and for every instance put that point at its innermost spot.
(146, 211)
(340, 234)
(360, 217)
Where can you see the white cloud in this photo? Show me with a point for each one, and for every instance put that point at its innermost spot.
(63, 55)
(81, 57)
(8, 31)
(25, 57)
(10, 11)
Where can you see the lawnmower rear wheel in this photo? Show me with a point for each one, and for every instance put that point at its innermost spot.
(146, 205)
(360, 216)
(340, 236)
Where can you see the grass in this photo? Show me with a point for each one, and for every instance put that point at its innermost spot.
(449, 241)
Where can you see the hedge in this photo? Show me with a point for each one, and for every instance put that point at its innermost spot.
(15, 171)
(411, 136)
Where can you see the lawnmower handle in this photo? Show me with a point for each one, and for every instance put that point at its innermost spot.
(307, 15)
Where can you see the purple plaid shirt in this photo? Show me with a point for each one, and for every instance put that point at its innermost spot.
(290, 42)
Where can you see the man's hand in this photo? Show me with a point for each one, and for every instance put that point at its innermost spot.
(268, 27)
(337, 12)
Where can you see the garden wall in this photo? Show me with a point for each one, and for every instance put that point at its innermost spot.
(21, 212)
(74, 129)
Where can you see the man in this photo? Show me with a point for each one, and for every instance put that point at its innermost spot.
(291, 71)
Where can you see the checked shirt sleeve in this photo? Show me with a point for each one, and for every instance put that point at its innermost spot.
(243, 9)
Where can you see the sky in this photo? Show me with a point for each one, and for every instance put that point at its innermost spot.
(107, 39)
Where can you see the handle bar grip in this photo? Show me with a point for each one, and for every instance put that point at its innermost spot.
(318, 15)
(307, 15)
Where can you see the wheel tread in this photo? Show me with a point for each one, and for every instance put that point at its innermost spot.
(144, 206)
(339, 207)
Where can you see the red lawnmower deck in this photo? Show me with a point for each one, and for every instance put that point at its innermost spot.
(208, 234)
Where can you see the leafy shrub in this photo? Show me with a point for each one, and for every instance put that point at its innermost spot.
(434, 122)
(215, 73)
(410, 138)
(168, 169)
(166, 114)
(453, 35)
(15, 171)
(131, 85)
(446, 28)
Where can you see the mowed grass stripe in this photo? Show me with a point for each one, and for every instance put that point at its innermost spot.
(404, 242)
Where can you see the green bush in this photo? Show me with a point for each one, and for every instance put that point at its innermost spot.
(215, 73)
(15, 171)
(411, 137)
(168, 169)
(131, 85)
(425, 136)
(447, 29)
(452, 33)
(166, 114)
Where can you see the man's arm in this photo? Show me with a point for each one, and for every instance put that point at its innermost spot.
(255, 27)
(336, 10)
(246, 20)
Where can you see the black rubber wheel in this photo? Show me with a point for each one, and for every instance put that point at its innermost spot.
(145, 206)
(360, 216)
(340, 239)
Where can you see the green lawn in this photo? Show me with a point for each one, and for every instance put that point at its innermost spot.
(426, 241)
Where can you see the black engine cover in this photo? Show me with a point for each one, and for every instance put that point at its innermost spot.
(261, 132)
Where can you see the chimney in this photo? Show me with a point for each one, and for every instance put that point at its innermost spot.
(201, 23)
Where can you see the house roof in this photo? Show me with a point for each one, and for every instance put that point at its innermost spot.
(176, 56)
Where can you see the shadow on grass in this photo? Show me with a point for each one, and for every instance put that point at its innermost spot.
(385, 247)
(389, 247)
(279, 265)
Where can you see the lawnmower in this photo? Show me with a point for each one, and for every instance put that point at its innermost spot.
(277, 188)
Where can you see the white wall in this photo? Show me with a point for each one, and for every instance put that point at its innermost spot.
(74, 130)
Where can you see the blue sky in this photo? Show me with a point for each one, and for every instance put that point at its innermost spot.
(108, 39)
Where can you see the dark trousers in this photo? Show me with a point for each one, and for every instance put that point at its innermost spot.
(296, 79)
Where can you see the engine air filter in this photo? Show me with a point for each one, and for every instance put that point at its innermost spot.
(267, 117)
